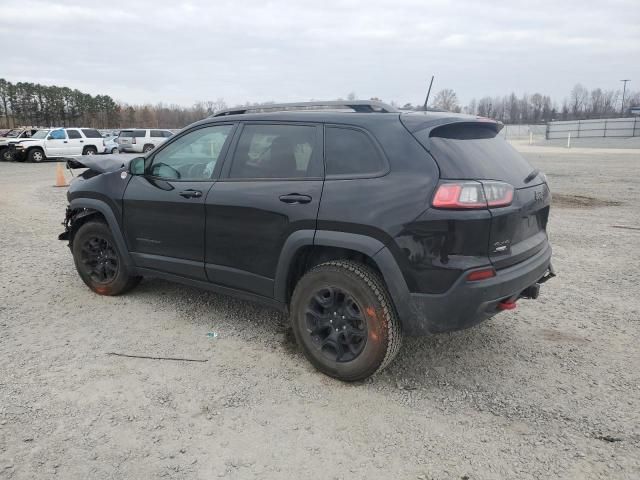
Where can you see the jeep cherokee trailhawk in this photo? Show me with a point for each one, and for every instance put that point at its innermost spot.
(363, 223)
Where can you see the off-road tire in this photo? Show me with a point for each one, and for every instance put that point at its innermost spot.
(89, 151)
(36, 155)
(147, 148)
(383, 328)
(122, 281)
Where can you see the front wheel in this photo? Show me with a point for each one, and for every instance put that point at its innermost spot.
(114, 151)
(99, 262)
(344, 320)
(36, 155)
(5, 155)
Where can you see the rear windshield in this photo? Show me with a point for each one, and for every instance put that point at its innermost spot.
(126, 133)
(465, 151)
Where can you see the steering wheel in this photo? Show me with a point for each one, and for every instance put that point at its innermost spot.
(157, 166)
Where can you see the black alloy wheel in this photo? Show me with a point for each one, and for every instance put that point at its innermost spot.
(99, 259)
(336, 324)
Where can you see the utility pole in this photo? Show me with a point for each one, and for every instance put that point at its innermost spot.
(624, 90)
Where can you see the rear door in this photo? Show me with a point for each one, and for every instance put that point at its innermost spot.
(74, 144)
(164, 212)
(270, 187)
(475, 151)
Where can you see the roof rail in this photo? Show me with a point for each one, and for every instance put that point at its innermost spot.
(360, 106)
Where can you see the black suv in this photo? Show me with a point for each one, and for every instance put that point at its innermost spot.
(363, 222)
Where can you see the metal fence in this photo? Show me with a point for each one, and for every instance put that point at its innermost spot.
(606, 127)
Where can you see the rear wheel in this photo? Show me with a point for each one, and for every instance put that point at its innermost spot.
(114, 150)
(99, 262)
(89, 151)
(5, 155)
(36, 155)
(344, 321)
(147, 148)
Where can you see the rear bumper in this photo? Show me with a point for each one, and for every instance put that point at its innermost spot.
(130, 148)
(468, 303)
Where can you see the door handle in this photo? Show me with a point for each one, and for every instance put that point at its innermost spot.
(81, 141)
(190, 193)
(65, 142)
(294, 198)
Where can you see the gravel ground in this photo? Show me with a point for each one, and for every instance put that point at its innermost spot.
(550, 390)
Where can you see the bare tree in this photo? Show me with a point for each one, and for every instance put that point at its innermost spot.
(578, 100)
(446, 99)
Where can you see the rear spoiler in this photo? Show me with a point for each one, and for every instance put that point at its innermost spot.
(416, 122)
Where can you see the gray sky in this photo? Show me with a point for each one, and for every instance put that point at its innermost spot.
(180, 52)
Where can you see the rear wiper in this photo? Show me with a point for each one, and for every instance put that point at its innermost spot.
(531, 176)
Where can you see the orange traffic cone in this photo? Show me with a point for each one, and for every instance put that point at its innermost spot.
(60, 180)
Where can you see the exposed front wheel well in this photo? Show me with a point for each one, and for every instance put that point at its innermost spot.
(78, 217)
(309, 256)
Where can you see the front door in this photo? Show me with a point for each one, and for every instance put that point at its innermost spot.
(164, 212)
(56, 143)
(268, 189)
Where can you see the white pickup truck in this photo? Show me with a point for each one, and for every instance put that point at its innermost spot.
(13, 136)
(58, 142)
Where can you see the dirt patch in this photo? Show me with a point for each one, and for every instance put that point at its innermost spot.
(552, 335)
(562, 200)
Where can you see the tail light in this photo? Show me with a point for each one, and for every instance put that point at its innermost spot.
(473, 195)
(133, 141)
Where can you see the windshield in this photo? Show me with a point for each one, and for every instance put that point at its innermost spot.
(40, 134)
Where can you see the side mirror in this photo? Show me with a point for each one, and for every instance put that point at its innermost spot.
(136, 166)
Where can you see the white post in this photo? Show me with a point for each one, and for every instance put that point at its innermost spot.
(530, 138)
(569, 140)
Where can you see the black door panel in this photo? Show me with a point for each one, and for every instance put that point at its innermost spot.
(159, 221)
(247, 224)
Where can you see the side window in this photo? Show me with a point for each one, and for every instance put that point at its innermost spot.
(156, 134)
(351, 152)
(192, 156)
(167, 134)
(91, 133)
(139, 133)
(58, 135)
(74, 134)
(274, 151)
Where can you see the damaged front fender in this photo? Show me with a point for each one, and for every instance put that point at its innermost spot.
(74, 217)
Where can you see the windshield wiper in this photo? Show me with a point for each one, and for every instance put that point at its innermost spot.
(531, 176)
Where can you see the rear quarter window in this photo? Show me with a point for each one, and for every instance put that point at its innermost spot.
(126, 133)
(91, 133)
(139, 133)
(156, 134)
(351, 152)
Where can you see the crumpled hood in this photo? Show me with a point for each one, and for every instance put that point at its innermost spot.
(101, 163)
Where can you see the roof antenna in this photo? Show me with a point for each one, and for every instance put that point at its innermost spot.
(426, 100)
